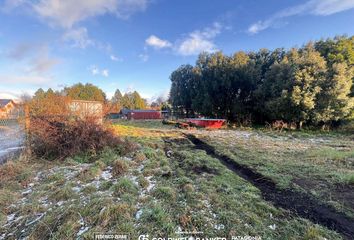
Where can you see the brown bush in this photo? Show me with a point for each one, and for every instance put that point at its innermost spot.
(61, 137)
(49, 105)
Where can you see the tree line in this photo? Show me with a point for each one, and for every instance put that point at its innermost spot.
(310, 85)
(90, 92)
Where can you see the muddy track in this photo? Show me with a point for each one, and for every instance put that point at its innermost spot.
(297, 202)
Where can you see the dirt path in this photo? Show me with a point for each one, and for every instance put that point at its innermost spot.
(297, 202)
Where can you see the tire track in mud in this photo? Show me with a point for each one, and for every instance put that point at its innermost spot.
(293, 200)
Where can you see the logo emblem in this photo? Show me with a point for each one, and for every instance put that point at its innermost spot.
(144, 237)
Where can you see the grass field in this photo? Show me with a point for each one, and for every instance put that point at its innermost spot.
(169, 186)
(322, 164)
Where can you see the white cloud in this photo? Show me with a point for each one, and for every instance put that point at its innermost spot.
(16, 95)
(199, 41)
(259, 26)
(29, 66)
(96, 71)
(125, 8)
(105, 72)
(328, 7)
(144, 57)
(313, 7)
(115, 58)
(194, 43)
(162, 95)
(156, 42)
(130, 88)
(67, 13)
(8, 95)
(78, 37)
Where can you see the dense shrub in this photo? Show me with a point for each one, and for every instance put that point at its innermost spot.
(309, 86)
(57, 132)
(61, 137)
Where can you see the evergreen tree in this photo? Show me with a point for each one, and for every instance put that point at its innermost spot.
(334, 102)
(39, 94)
(117, 100)
(133, 101)
(88, 91)
(182, 89)
(307, 85)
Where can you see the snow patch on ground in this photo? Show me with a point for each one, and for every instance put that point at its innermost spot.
(27, 191)
(138, 214)
(70, 174)
(107, 174)
(152, 184)
(11, 217)
(77, 189)
(83, 228)
(37, 218)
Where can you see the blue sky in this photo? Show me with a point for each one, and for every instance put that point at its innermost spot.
(136, 44)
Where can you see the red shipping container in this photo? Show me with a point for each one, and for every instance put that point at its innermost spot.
(207, 123)
(144, 114)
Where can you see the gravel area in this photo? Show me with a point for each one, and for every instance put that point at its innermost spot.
(11, 141)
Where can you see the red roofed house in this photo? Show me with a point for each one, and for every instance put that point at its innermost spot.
(8, 109)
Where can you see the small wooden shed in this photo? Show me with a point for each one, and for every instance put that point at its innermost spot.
(83, 108)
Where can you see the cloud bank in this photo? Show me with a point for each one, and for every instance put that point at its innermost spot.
(158, 43)
(67, 13)
(192, 44)
(312, 7)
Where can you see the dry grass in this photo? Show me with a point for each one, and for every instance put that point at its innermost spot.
(120, 167)
(139, 157)
(17, 172)
(131, 131)
(116, 214)
(152, 194)
(89, 174)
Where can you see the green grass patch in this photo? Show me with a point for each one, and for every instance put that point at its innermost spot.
(123, 186)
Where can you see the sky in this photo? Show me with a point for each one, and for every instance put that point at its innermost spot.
(136, 44)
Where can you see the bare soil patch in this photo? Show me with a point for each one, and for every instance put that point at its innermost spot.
(300, 203)
(340, 193)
